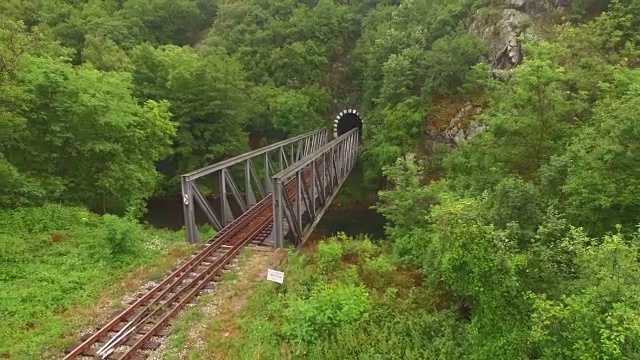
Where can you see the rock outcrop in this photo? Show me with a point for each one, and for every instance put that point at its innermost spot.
(460, 129)
(502, 36)
(501, 29)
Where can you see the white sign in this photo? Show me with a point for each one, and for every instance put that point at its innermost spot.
(275, 276)
(186, 199)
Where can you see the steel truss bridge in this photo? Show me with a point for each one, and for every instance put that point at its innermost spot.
(292, 183)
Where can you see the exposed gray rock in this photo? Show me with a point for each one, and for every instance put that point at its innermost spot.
(562, 3)
(531, 7)
(502, 37)
(518, 4)
(501, 29)
(460, 129)
(539, 7)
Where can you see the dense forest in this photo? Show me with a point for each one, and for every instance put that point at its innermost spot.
(503, 138)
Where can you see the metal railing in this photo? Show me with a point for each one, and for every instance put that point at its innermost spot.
(277, 157)
(330, 167)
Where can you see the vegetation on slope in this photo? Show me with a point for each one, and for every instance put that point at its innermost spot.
(481, 299)
(528, 240)
(56, 262)
(526, 234)
(348, 299)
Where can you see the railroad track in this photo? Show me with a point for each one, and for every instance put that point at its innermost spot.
(134, 328)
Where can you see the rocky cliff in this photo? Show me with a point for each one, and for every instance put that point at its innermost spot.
(501, 28)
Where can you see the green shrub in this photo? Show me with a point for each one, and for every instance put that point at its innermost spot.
(206, 232)
(378, 270)
(328, 307)
(329, 253)
(44, 219)
(122, 236)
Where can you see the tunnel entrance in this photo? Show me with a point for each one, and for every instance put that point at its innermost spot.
(347, 120)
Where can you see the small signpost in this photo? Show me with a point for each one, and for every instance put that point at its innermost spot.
(275, 276)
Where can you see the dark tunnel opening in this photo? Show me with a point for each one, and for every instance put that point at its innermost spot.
(347, 120)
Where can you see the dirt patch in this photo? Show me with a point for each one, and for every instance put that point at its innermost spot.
(311, 245)
(59, 238)
(254, 271)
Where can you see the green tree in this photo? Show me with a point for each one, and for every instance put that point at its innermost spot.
(105, 54)
(207, 93)
(278, 112)
(598, 318)
(603, 163)
(87, 140)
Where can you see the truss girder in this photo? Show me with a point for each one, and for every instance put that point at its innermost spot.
(252, 170)
(329, 166)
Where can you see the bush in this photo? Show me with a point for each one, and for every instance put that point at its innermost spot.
(122, 236)
(327, 307)
(329, 252)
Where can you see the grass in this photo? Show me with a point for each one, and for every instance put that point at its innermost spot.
(60, 266)
(345, 299)
(214, 313)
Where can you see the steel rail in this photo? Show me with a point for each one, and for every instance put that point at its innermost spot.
(185, 269)
(201, 281)
(210, 273)
(226, 234)
(159, 307)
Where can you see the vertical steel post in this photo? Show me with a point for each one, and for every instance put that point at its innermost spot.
(278, 220)
(298, 203)
(188, 210)
(267, 179)
(333, 166)
(340, 156)
(353, 152)
(223, 197)
(250, 198)
(347, 158)
(354, 146)
(324, 175)
(313, 187)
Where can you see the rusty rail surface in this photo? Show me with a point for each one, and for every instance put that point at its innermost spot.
(146, 318)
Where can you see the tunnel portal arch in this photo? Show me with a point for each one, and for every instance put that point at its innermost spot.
(347, 120)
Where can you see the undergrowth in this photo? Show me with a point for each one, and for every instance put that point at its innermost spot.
(56, 260)
(349, 299)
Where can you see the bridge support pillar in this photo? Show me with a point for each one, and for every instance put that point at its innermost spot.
(278, 220)
(189, 211)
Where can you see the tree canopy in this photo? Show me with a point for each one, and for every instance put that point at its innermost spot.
(526, 234)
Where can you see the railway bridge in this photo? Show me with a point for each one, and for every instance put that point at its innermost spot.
(289, 185)
(265, 197)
